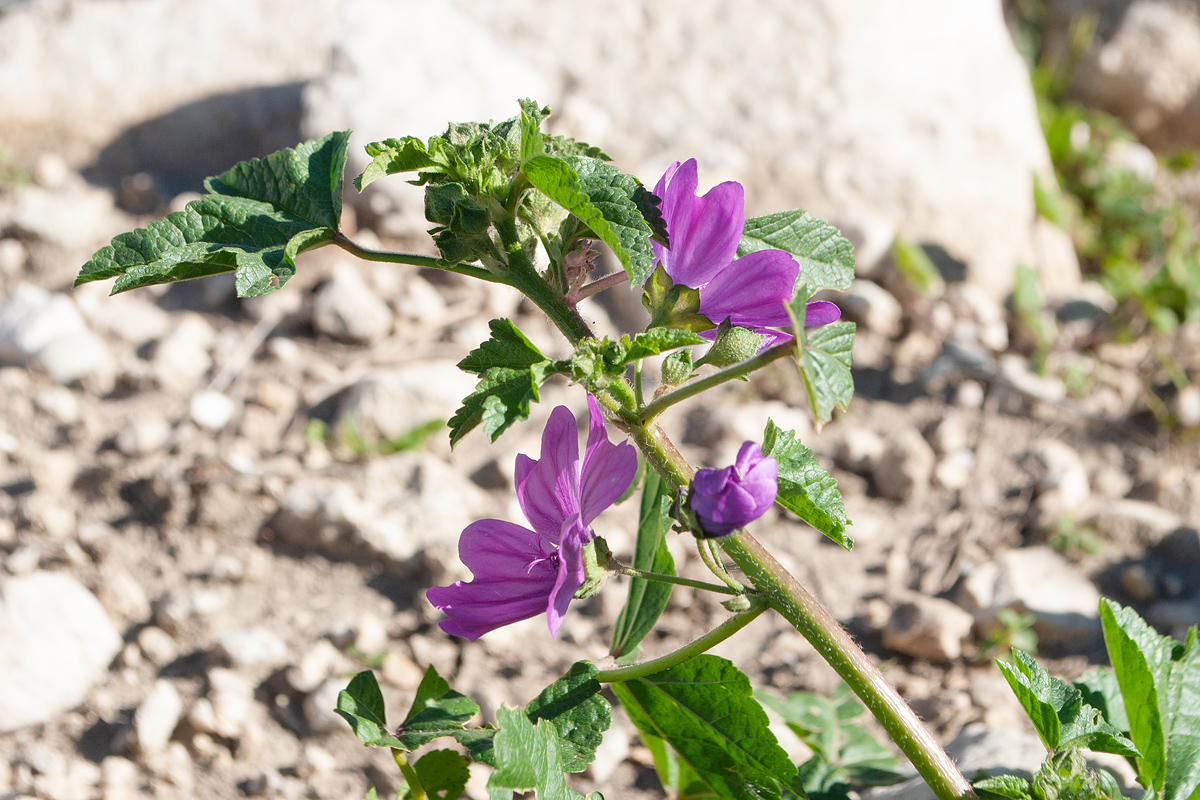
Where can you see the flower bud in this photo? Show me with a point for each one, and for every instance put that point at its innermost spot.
(725, 500)
(733, 344)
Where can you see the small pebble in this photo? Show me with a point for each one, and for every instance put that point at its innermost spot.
(212, 410)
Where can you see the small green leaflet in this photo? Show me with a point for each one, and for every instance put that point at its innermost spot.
(257, 217)
(805, 488)
(602, 198)
(580, 715)
(823, 357)
(361, 705)
(511, 371)
(1009, 786)
(826, 258)
(1183, 738)
(647, 599)
(1056, 708)
(443, 775)
(673, 305)
(1100, 689)
(655, 341)
(826, 724)
(528, 757)
(704, 709)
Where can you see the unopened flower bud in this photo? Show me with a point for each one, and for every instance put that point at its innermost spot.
(725, 500)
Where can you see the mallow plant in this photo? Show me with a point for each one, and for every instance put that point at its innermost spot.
(512, 205)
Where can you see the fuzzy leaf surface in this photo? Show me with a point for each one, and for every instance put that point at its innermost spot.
(805, 488)
(647, 599)
(823, 357)
(1009, 786)
(1183, 708)
(704, 709)
(443, 775)
(528, 757)
(580, 715)
(257, 217)
(826, 257)
(392, 156)
(507, 347)
(1056, 708)
(1100, 690)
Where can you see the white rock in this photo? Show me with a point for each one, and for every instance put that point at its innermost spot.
(928, 628)
(50, 171)
(322, 661)
(76, 217)
(123, 596)
(1039, 581)
(13, 256)
(1187, 406)
(32, 318)
(157, 717)
(389, 402)
(860, 450)
(227, 708)
(1015, 369)
(212, 410)
(143, 436)
(60, 403)
(969, 394)
(252, 647)
(951, 434)
(53, 471)
(67, 360)
(1064, 488)
(872, 306)
(319, 707)
(129, 317)
(157, 645)
(56, 642)
(955, 469)
(348, 310)
(181, 358)
(906, 467)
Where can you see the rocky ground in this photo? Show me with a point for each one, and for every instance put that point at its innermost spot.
(202, 532)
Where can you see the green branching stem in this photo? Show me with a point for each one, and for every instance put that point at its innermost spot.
(633, 572)
(415, 790)
(690, 650)
(712, 560)
(599, 285)
(733, 372)
(413, 259)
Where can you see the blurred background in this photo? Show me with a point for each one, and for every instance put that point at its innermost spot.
(212, 510)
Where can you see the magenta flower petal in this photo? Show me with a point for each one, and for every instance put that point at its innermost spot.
(548, 489)
(821, 312)
(725, 500)
(514, 570)
(608, 468)
(704, 231)
(571, 573)
(752, 291)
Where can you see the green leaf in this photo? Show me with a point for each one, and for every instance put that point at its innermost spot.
(826, 258)
(531, 128)
(826, 724)
(528, 757)
(655, 341)
(361, 705)
(443, 775)
(507, 347)
(817, 779)
(1183, 708)
(915, 266)
(805, 488)
(436, 711)
(256, 219)
(501, 397)
(371, 794)
(602, 198)
(704, 709)
(580, 715)
(1009, 786)
(647, 599)
(823, 357)
(674, 773)
(1056, 708)
(1100, 690)
(563, 146)
(1141, 660)
(392, 156)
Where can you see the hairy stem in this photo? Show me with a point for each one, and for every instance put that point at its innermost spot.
(599, 285)
(633, 572)
(695, 387)
(690, 650)
(713, 562)
(415, 790)
(389, 257)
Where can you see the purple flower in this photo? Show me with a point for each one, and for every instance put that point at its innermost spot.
(731, 498)
(519, 573)
(704, 233)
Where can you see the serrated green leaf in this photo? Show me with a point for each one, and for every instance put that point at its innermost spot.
(580, 715)
(817, 779)
(501, 397)
(655, 341)
(1009, 786)
(647, 599)
(443, 775)
(823, 358)
(392, 156)
(437, 710)
(1100, 690)
(674, 773)
(826, 258)
(531, 128)
(507, 347)
(1061, 718)
(1141, 660)
(601, 197)
(371, 794)
(805, 488)
(563, 146)
(258, 217)
(704, 709)
(361, 705)
(826, 724)
(528, 757)
(1183, 708)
